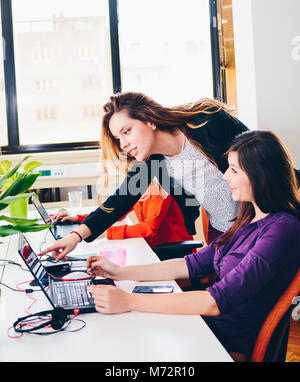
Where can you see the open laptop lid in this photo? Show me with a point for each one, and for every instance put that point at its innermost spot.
(41, 210)
(43, 213)
(34, 265)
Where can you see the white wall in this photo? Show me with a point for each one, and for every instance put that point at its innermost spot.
(267, 52)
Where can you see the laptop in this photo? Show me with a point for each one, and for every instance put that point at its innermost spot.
(69, 295)
(58, 229)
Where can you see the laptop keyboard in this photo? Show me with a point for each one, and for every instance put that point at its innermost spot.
(73, 293)
(64, 230)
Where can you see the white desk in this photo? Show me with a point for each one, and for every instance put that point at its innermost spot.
(127, 337)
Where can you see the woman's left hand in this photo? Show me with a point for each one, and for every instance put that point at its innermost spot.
(109, 299)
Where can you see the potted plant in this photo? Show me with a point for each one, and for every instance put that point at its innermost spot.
(13, 187)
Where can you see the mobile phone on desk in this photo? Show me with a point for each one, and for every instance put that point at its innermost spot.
(102, 282)
(153, 289)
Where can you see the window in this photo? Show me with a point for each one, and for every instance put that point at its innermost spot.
(43, 84)
(90, 82)
(3, 125)
(67, 41)
(65, 58)
(167, 43)
(45, 114)
(42, 54)
(88, 53)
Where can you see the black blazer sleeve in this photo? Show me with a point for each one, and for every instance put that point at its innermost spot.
(118, 204)
(297, 173)
(217, 134)
(215, 137)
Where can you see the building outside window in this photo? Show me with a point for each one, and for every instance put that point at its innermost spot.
(65, 71)
(68, 41)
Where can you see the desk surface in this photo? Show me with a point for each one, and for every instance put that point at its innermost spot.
(128, 337)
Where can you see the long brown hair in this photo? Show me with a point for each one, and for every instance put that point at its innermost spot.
(269, 168)
(141, 107)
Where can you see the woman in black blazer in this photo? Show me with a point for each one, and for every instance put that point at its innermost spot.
(181, 146)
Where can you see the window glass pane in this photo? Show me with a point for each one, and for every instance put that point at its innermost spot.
(3, 122)
(165, 49)
(63, 69)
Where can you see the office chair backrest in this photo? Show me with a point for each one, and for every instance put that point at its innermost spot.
(271, 342)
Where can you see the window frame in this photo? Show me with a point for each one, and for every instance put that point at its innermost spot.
(14, 146)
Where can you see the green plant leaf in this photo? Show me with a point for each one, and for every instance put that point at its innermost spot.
(28, 181)
(11, 199)
(4, 166)
(12, 172)
(6, 230)
(19, 221)
(16, 198)
(31, 166)
(14, 188)
(9, 182)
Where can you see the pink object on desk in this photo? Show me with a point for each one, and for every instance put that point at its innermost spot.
(116, 256)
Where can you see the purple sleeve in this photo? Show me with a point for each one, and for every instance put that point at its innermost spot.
(275, 247)
(200, 264)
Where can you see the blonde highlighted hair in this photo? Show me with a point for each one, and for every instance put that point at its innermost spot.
(141, 107)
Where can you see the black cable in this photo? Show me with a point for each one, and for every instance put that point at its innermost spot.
(50, 259)
(20, 290)
(13, 263)
(77, 330)
(31, 321)
(52, 332)
(63, 328)
(75, 258)
(7, 286)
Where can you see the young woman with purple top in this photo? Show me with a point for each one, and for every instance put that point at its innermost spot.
(255, 260)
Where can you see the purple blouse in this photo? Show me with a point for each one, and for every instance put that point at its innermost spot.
(253, 270)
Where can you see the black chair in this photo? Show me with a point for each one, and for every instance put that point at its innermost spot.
(177, 249)
(181, 248)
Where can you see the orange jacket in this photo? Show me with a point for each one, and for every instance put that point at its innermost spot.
(160, 221)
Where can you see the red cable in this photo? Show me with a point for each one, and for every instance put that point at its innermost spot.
(62, 279)
(76, 311)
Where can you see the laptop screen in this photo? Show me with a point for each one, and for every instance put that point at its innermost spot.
(41, 209)
(33, 263)
(44, 214)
